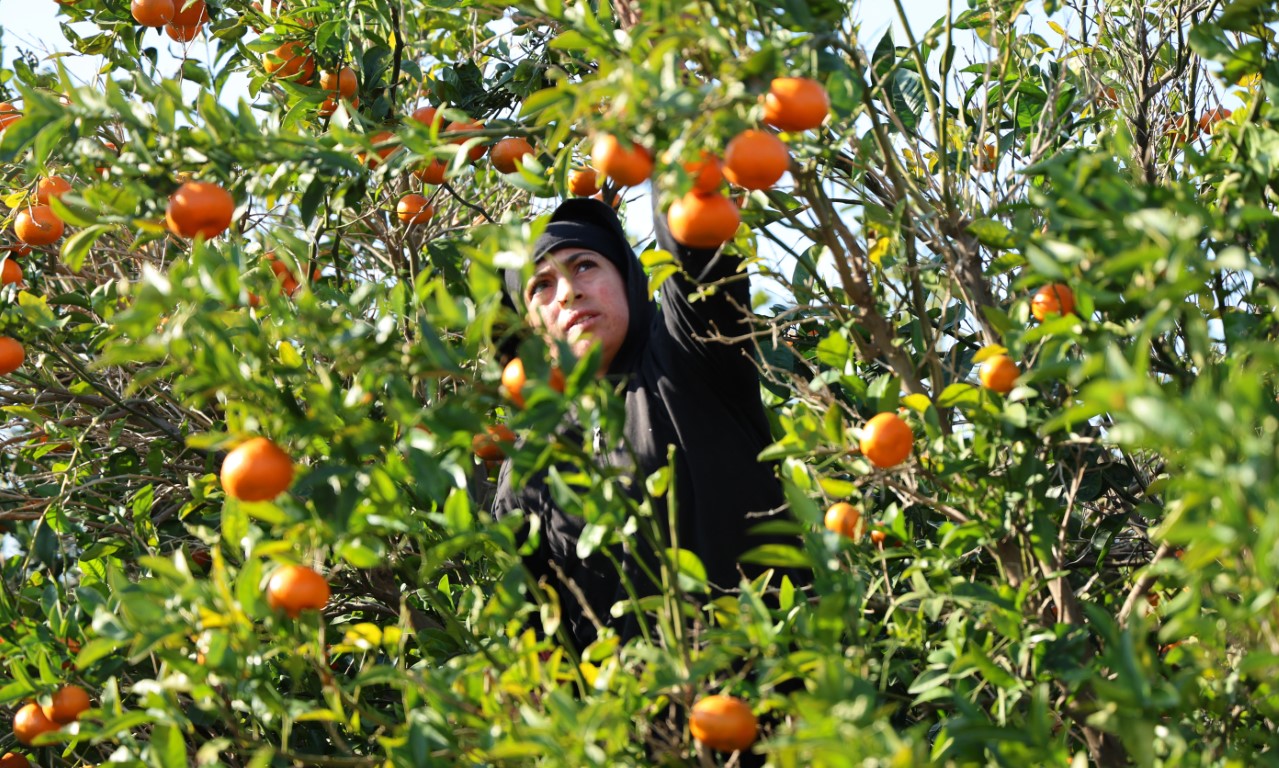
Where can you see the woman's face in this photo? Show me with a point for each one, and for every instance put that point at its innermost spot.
(578, 296)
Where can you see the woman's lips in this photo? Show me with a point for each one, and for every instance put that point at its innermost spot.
(579, 323)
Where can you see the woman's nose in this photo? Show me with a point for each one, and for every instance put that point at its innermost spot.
(564, 291)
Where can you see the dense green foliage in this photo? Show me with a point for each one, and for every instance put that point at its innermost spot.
(1082, 571)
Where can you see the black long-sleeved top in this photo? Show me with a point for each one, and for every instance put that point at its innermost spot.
(683, 386)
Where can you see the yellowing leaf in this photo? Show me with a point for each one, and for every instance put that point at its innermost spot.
(289, 355)
(215, 620)
(319, 715)
(879, 249)
(1057, 28)
(364, 636)
(154, 226)
(987, 352)
(15, 198)
(917, 402)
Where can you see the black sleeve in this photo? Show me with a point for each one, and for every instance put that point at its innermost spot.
(706, 306)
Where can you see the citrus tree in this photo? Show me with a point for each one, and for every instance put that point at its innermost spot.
(1015, 301)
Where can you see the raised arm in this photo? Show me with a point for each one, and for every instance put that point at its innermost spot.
(710, 326)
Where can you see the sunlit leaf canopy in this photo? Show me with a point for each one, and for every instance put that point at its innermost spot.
(1076, 566)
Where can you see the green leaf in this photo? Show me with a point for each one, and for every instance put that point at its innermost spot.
(75, 249)
(75, 217)
(167, 747)
(777, 556)
(95, 650)
(906, 94)
(689, 568)
(1245, 15)
(992, 234)
(543, 100)
(835, 487)
(457, 511)
(958, 394)
(361, 555)
(571, 40)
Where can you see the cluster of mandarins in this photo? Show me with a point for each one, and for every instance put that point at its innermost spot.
(260, 470)
(182, 19)
(755, 159)
(256, 470)
(887, 440)
(1182, 129)
(32, 720)
(34, 226)
(490, 445)
(505, 156)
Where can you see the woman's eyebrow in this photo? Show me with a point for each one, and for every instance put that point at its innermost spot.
(549, 265)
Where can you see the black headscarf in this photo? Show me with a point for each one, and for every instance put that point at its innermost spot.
(586, 223)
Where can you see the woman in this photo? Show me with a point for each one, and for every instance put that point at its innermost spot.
(689, 380)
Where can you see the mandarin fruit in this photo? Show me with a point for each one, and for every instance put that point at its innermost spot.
(11, 273)
(199, 208)
(51, 186)
(1208, 121)
(189, 13)
(433, 173)
(9, 114)
(986, 159)
(11, 355)
(381, 137)
(427, 116)
(182, 34)
(507, 154)
(343, 82)
(280, 269)
(152, 13)
(707, 173)
(38, 225)
(1181, 129)
(845, 519)
(725, 723)
(886, 440)
(795, 104)
(14, 760)
(514, 378)
(628, 166)
(67, 704)
(583, 182)
(257, 469)
(30, 722)
(291, 60)
(414, 209)
(296, 588)
(700, 220)
(998, 374)
(330, 105)
(1055, 299)
(488, 445)
(755, 159)
(477, 151)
